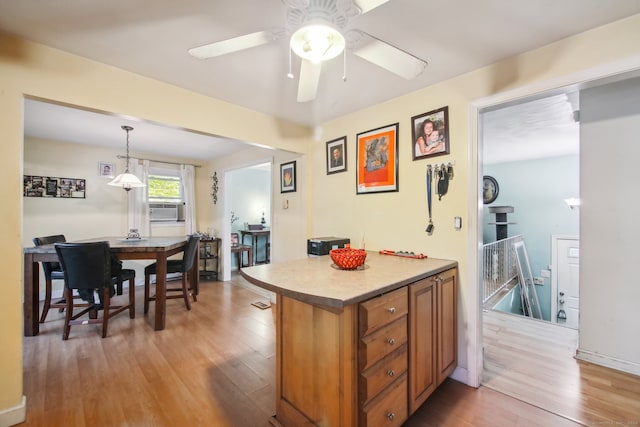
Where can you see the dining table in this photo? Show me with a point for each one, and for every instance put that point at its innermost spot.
(151, 248)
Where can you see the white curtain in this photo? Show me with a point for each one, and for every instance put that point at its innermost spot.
(138, 204)
(187, 173)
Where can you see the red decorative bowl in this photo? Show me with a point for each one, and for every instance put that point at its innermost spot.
(348, 258)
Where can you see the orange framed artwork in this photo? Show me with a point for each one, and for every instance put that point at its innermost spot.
(377, 160)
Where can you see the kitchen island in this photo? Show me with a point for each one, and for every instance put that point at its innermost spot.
(359, 347)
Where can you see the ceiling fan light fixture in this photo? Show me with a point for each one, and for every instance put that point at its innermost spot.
(127, 180)
(317, 42)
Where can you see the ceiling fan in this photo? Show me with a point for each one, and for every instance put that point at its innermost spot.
(319, 32)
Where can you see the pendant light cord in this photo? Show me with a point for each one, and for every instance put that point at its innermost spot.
(127, 129)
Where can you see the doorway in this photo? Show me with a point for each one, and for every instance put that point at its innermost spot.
(596, 78)
(247, 201)
(531, 153)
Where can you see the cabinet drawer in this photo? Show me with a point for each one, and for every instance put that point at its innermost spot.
(384, 309)
(383, 373)
(378, 344)
(390, 408)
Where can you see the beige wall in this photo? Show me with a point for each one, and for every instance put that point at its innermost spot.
(28, 69)
(393, 220)
(398, 220)
(104, 208)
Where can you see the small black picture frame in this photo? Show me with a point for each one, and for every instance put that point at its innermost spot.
(337, 155)
(288, 177)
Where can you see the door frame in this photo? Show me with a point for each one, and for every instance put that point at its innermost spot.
(602, 74)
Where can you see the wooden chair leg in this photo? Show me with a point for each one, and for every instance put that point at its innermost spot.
(47, 300)
(147, 280)
(193, 293)
(185, 291)
(106, 302)
(68, 314)
(132, 298)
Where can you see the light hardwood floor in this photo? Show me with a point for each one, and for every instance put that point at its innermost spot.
(533, 361)
(212, 366)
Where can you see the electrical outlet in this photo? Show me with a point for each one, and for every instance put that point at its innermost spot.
(538, 281)
(545, 273)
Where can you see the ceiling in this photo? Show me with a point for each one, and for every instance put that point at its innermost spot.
(151, 38)
(535, 128)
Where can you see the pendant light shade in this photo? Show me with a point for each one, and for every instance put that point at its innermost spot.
(127, 180)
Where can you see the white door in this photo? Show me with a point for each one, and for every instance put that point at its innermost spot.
(568, 290)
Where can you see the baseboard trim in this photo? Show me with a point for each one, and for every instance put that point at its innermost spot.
(608, 362)
(15, 415)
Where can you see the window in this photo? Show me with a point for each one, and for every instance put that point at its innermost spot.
(164, 194)
(164, 188)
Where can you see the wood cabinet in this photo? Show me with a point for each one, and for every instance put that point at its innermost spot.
(356, 349)
(432, 335)
(382, 359)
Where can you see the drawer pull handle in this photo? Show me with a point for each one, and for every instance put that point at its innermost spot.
(391, 341)
(391, 372)
(392, 310)
(391, 416)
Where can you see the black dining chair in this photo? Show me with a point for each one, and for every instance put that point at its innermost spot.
(183, 266)
(90, 267)
(52, 271)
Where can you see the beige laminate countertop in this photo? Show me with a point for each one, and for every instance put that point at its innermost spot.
(315, 281)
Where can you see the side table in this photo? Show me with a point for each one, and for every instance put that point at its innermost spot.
(209, 255)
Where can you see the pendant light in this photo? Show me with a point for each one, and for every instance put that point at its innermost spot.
(127, 180)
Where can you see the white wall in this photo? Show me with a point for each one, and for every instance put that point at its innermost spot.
(102, 212)
(609, 226)
(250, 199)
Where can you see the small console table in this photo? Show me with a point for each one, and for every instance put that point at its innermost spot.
(209, 252)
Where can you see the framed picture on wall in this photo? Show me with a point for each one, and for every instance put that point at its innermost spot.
(337, 155)
(106, 169)
(288, 177)
(430, 134)
(49, 186)
(377, 160)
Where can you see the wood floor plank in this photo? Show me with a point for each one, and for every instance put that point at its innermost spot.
(534, 361)
(215, 366)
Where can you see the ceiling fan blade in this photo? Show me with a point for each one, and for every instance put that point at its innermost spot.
(309, 80)
(232, 45)
(389, 57)
(367, 5)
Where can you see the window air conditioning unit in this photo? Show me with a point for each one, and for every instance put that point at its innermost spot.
(163, 212)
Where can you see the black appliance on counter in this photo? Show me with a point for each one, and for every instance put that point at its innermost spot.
(322, 245)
